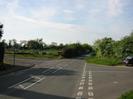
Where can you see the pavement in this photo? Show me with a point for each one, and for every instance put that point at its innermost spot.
(66, 79)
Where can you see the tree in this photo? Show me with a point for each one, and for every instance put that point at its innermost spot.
(76, 49)
(104, 47)
(1, 47)
(127, 45)
(1, 31)
(23, 44)
(35, 44)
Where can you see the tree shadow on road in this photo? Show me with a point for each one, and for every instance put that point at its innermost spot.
(8, 68)
(27, 94)
(21, 76)
(52, 72)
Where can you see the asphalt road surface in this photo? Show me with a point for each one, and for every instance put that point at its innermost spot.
(67, 79)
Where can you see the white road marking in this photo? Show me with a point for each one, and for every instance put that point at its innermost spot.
(115, 82)
(90, 84)
(90, 80)
(107, 71)
(21, 86)
(34, 83)
(47, 69)
(57, 69)
(80, 93)
(90, 94)
(19, 83)
(90, 77)
(83, 77)
(82, 83)
(36, 77)
(81, 88)
(90, 88)
(83, 80)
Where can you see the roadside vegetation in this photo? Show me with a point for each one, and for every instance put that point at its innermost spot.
(111, 61)
(38, 49)
(104, 51)
(127, 95)
(1, 49)
(111, 52)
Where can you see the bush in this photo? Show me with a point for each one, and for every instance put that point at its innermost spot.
(69, 52)
(76, 49)
(127, 95)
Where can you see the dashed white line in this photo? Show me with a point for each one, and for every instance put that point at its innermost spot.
(80, 93)
(83, 80)
(83, 77)
(81, 88)
(81, 83)
(90, 80)
(90, 94)
(90, 84)
(90, 88)
(90, 77)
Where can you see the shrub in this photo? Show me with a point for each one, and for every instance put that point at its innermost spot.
(127, 95)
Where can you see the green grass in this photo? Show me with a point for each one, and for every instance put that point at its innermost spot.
(111, 61)
(127, 95)
(52, 54)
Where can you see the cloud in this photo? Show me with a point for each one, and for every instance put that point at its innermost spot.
(68, 11)
(52, 25)
(44, 13)
(80, 4)
(115, 7)
(69, 14)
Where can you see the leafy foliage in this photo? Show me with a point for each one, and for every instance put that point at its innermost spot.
(1, 48)
(127, 95)
(76, 49)
(110, 52)
(1, 32)
(35, 44)
(104, 47)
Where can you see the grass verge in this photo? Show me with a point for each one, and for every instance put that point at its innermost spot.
(111, 61)
(127, 95)
(34, 56)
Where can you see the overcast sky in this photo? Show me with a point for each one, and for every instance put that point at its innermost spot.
(66, 21)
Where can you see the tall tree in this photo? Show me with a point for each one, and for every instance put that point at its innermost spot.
(1, 47)
(35, 44)
(1, 31)
(104, 47)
